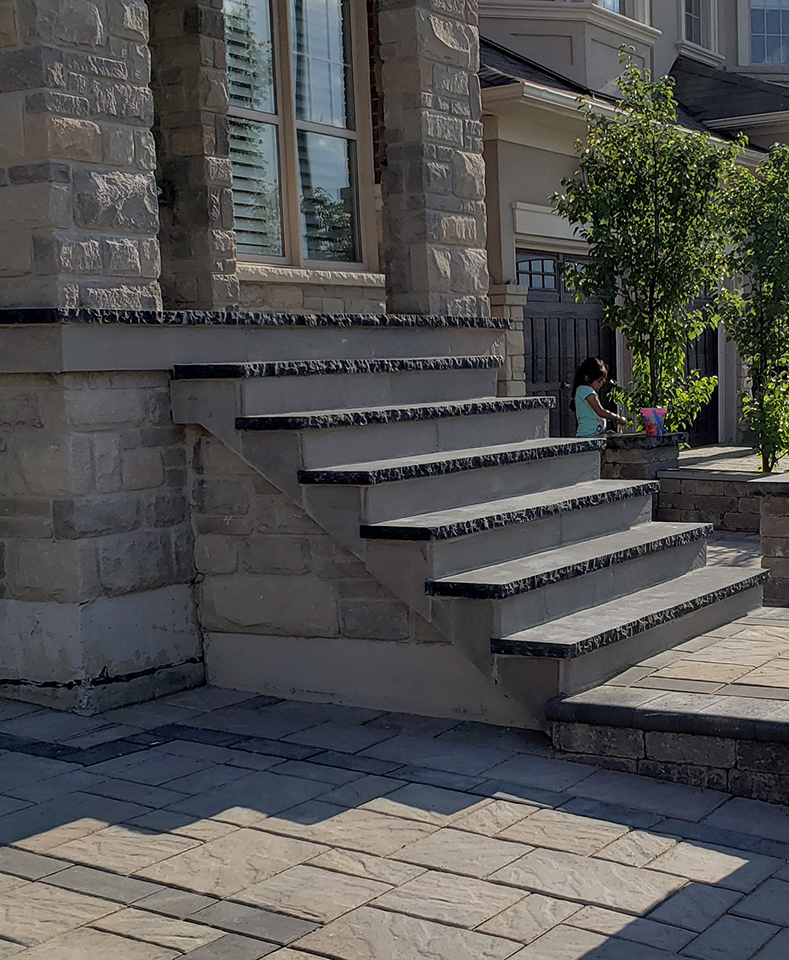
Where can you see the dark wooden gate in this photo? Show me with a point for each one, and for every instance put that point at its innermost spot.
(559, 334)
(702, 355)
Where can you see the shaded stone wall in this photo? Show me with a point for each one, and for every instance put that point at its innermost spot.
(268, 569)
(194, 176)
(433, 173)
(78, 208)
(508, 300)
(95, 539)
(727, 502)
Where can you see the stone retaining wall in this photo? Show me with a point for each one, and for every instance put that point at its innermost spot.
(745, 768)
(725, 500)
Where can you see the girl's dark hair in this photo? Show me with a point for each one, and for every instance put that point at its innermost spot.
(590, 370)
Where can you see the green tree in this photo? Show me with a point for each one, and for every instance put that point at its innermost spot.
(757, 316)
(647, 200)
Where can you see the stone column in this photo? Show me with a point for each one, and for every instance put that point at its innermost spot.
(196, 204)
(78, 211)
(433, 174)
(774, 534)
(507, 300)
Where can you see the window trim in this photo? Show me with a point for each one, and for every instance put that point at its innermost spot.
(710, 38)
(288, 127)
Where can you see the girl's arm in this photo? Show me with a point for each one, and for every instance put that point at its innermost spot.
(601, 411)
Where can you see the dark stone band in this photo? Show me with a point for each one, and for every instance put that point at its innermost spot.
(307, 368)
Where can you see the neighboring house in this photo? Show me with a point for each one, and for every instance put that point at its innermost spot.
(537, 58)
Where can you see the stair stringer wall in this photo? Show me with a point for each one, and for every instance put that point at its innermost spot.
(286, 609)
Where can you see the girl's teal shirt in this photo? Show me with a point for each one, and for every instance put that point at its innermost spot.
(589, 424)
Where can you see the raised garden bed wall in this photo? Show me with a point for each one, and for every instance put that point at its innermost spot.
(725, 499)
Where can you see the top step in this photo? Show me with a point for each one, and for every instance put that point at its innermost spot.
(306, 368)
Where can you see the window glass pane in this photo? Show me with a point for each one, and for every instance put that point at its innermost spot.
(322, 61)
(757, 21)
(327, 171)
(615, 5)
(757, 49)
(250, 54)
(256, 190)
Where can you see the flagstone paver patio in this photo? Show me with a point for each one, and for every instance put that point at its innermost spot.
(218, 825)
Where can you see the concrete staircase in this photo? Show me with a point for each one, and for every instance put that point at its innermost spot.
(547, 578)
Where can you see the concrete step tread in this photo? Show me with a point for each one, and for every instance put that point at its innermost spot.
(589, 630)
(491, 514)
(512, 577)
(443, 462)
(403, 413)
(306, 368)
(663, 711)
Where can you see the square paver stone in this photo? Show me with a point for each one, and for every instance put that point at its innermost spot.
(572, 943)
(370, 934)
(595, 882)
(175, 903)
(558, 830)
(461, 901)
(251, 798)
(776, 949)
(540, 772)
(366, 866)
(149, 767)
(695, 907)
(123, 850)
(734, 869)
(254, 922)
(340, 737)
(37, 912)
(231, 946)
(465, 853)
(611, 923)
(353, 829)
(730, 938)
(236, 862)
(313, 894)
(99, 883)
(530, 918)
(636, 849)
(418, 801)
(163, 931)
(755, 817)
(770, 902)
(87, 944)
(29, 866)
(438, 754)
(668, 799)
(494, 817)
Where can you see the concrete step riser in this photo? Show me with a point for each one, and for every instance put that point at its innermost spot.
(534, 681)
(267, 395)
(502, 617)
(524, 539)
(323, 448)
(387, 501)
(582, 593)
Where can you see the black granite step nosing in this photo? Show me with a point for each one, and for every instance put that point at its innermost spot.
(653, 720)
(437, 468)
(240, 318)
(382, 415)
(350, 366)
(502, 591)
(561, 651)
(463, 528)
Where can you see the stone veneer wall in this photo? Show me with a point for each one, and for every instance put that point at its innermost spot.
(508, 301)
(287, 290)
(78, 206)
(727, 502)
(95, 541)
(268, 569)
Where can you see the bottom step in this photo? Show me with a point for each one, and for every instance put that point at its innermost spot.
(711, 712)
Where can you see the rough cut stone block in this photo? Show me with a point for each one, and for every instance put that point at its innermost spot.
(774, 788)
(690, 749)
(593, 740)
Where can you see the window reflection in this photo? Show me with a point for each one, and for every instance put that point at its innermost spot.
(321, 62)
(328, 197)
(770, 31)
(250, 54)
(256, 188)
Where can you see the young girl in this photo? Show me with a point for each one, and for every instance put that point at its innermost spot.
(591, 414)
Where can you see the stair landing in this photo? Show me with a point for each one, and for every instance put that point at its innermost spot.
(712, 712)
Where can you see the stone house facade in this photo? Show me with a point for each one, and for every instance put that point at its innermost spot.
(247, 335)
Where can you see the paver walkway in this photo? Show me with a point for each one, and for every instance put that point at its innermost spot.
(221, 826)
